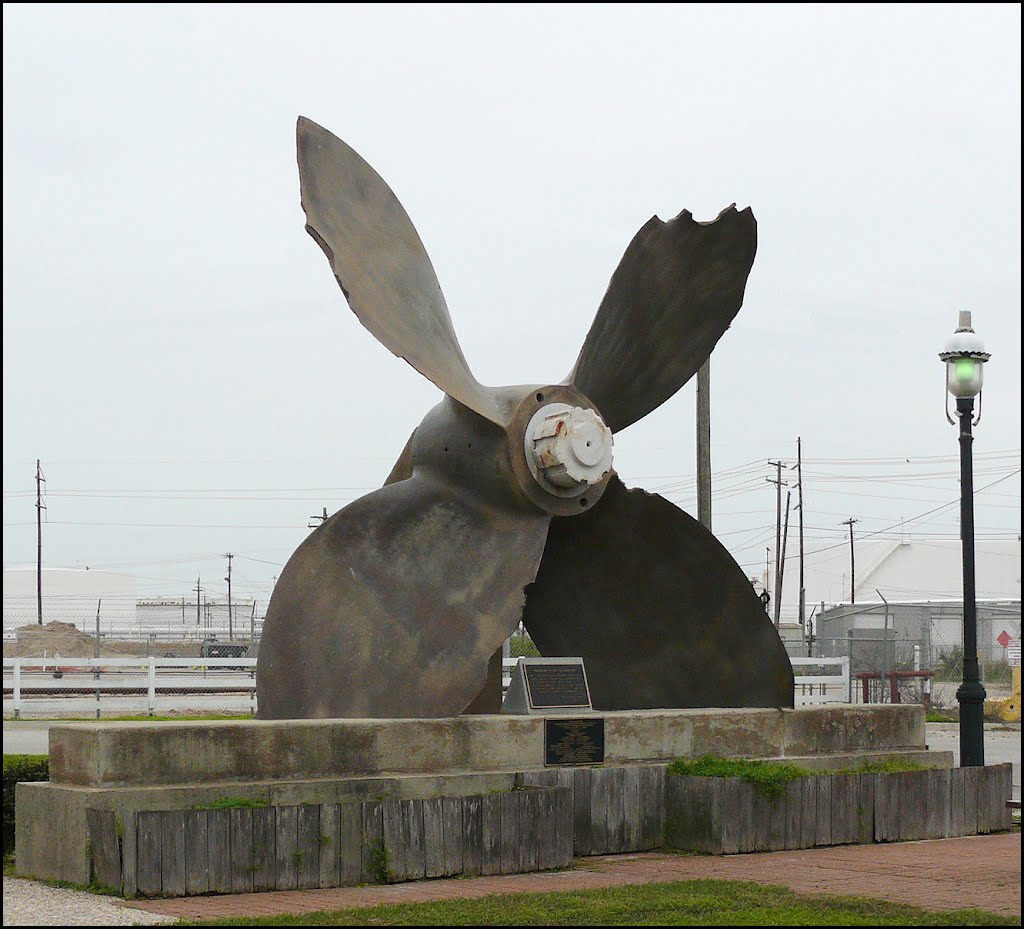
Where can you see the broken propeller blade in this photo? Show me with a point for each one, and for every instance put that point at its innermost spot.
(676, 290)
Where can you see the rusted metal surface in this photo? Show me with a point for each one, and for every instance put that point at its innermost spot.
(675, 292)
(381, 264)
(398, 604)
(658, 609)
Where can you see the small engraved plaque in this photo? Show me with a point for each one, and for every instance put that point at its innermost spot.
(574, 741)
(557, 686)
(547, 686)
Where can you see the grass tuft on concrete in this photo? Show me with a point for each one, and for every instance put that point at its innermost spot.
(769, 778)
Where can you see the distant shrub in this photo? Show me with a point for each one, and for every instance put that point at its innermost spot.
(19, 768)
(522, 647)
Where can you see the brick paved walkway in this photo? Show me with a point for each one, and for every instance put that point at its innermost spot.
(980, 872)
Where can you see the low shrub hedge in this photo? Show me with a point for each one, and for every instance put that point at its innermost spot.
(19, 768)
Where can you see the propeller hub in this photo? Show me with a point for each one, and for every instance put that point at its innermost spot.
(568, 448)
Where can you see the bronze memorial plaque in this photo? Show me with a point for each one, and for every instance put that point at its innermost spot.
(574, 741)
(556, 686)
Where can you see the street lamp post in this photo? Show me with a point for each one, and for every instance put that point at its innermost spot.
(965, 357)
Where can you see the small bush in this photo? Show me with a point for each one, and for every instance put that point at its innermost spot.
(19, 768)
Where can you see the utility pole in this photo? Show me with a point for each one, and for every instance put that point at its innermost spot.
(779, 484)
(198, 590)
(853, 586)
(318, 520)
(704, 444)
(800, 507)
(782, 565)
(231, 625)
(40, 506)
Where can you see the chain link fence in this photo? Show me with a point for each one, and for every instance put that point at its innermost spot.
(913, 652)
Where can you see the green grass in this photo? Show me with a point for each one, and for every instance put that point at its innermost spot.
(890, 766)
(934, 716)
(683, 903)
(768, 777)
(771, 777)
(522, 647)
(235, 803)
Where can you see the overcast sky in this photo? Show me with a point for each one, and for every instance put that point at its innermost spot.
(179, 356)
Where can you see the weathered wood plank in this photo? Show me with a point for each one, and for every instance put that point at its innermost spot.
(472, 835)
(564, 829)
(395, 839)
(1002, 818)
(956, 802)
(599, 784)
(652, 806)
(794, 810)
(509, 832)
(761, 825)
(350, 843)
(307, 847)
(692, 814)
(937, 790)
(490, 831)
(844, 808)
(433, 837)
(373, 860)
(197, 853)
(865, 815)
(264, 848)
(581, 786)
(286, 847)
(776, 823)
(631, 819)
(547, 828)
(529, 829)
(615, 780)
(129, 829)
(823, 833)
(241, 851)
(412, 823)
(105, 849)
(172, 853)
(808, 812)
(970, 777)
(328, 876)
(742, 815)
(451, 826)
(983, 780)
(218, 847)
(150, 847)
(677, 811)
(913, 805)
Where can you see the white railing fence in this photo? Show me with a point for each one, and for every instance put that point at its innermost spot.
(55, 678)
(171, 682)
(821, 680)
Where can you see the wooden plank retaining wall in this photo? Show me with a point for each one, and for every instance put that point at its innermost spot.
(553, 816)
(184, 852)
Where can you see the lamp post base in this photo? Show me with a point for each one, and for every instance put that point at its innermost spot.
(971, 696)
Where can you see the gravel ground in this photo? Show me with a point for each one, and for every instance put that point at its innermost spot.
(29, 903)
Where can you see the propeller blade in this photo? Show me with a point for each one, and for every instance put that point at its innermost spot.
(673, 295)
(381, 264)
(658, 609)
(394, 606)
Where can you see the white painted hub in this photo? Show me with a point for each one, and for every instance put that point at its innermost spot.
(568, 448)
